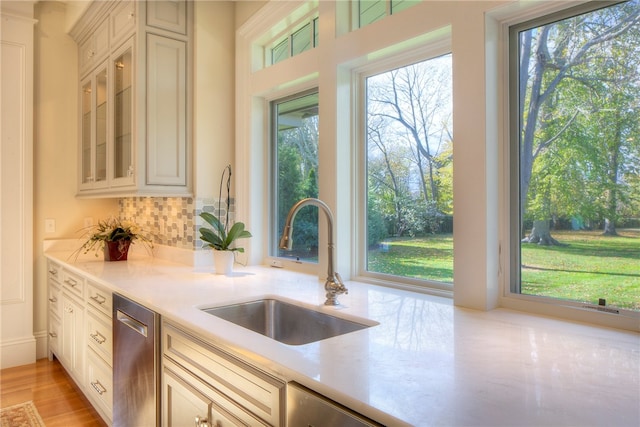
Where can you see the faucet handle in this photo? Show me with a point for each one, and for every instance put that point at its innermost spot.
(334, 287)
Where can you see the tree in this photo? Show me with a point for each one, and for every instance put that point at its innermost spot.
(409, 144)
(551, 56)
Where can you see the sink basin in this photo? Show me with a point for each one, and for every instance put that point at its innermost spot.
(285, 322)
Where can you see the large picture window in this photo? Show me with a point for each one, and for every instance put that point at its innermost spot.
(409, 168)
(575, 131)
(295, 172)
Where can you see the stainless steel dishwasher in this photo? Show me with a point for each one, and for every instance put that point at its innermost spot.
(136, 388)
(306, 408)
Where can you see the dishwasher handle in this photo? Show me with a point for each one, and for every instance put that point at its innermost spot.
(134, 324)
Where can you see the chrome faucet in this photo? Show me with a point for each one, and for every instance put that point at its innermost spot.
(333, 285)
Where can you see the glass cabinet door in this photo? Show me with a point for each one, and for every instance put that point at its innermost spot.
(93, 146)
(101, 126)
(86, 152)
(122, 119)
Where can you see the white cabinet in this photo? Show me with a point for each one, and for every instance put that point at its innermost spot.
(146, 125)
(54, 275)
(98, 384)
(80, 334)
(71, 340)
(200, 380)
(93, 129)
(72, 348)
(186, 398)
(94, 49)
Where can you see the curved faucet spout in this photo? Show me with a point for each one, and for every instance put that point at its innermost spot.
(333, 285)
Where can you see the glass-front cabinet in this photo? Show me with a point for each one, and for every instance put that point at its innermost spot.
(123, 156)
(135, 98)
(94, 131)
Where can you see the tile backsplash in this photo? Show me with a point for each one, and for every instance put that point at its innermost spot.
(173, 221)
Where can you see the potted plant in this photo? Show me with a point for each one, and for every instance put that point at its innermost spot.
(220, 237)
(113, 237)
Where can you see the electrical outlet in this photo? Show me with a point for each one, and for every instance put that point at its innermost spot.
(49, 225)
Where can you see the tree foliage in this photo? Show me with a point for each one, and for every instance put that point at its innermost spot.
(579, 137)
(409, 141)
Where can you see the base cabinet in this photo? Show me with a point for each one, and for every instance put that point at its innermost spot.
(201, 382)
(187, 399)
(80, 334)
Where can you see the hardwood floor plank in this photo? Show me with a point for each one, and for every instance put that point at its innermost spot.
(55, 395)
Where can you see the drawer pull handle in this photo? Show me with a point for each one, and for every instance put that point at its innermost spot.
(99, 388)
(99, 299)
(53, 335)
(53, 299)
(201, 422)
(53, 272)
(71, 282)
(98, 337)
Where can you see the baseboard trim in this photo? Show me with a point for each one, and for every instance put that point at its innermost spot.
(18, 351)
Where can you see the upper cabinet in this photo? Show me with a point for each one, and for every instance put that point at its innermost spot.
(135, 67)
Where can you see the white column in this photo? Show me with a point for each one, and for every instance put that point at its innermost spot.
(17, 342)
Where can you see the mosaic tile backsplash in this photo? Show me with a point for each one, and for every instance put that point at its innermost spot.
(173, 221)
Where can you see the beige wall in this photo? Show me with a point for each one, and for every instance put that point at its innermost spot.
(214, 94)
(55, 149)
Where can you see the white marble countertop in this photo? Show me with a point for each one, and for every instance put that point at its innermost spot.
(426, 363)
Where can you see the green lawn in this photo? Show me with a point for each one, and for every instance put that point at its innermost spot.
(587, 267)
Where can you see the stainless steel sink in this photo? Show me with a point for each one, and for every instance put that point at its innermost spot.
(285, 322)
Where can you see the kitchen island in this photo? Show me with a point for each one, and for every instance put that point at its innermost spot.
(425, 363)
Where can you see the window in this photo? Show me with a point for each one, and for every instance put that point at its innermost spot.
(575, 133)
(295, 172)
(409, 205)
(297, 40)
(370, 11)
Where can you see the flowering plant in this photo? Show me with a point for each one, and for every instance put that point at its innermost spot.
(219, 236)
(113, 230)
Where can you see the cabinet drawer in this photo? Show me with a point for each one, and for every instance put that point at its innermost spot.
(99, 383)
(255, 390)
(73, 283)
(54, 335)
(55, 306)
(100, 335)
(100, 299)
(54, 271)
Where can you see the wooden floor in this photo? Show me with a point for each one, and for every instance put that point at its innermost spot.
(55, 395)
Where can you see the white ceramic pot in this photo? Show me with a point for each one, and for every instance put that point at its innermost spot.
(223, 261)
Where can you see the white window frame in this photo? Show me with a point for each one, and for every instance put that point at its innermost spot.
(498, 25)
(432, 50)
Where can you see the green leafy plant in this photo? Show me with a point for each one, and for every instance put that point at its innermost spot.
(112, 230)
(220, 236)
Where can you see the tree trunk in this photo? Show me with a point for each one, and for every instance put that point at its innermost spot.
(609, 228)
(541, 234)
